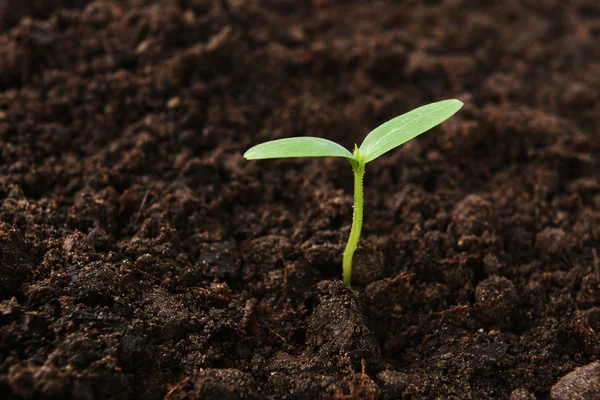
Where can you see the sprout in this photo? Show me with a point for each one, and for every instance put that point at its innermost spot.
(382, 139)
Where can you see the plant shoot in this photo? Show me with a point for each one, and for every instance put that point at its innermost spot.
(379, 141)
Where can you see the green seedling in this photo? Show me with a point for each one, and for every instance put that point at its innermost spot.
(384, 138)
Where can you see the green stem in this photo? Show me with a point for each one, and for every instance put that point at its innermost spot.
(357, 220)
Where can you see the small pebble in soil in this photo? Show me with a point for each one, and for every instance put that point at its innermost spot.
(581, 383)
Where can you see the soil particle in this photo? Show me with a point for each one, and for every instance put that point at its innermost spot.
(28, 382)
(393, 383)
(210, 383)
(15, 261)
(219, 261)
(472, 214)
(589, 296)
(388, 294)
(61, 381)
(581, 383)
(492, 265)
(552, 241)
(337, 333)
(12, 11)
(521, 394)
(368, 265)
(495, 299)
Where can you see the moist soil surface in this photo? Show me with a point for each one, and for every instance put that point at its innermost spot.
(141, 257)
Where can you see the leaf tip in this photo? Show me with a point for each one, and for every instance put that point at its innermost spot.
(456, 103)
(248, 154)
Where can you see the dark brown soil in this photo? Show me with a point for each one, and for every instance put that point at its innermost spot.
(141, 257)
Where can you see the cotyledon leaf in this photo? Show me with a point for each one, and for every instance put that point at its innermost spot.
(305, 146)
(401, 129)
